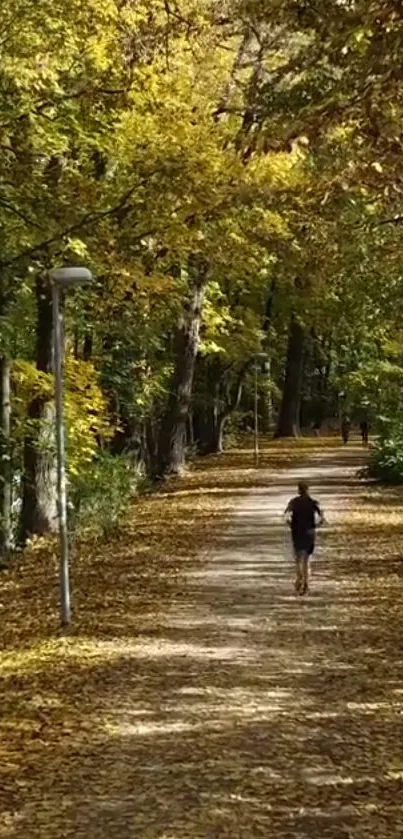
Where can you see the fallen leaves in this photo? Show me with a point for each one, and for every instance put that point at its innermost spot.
(203, 701)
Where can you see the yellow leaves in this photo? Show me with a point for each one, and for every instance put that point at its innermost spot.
(277, 170)
(86, 407)
(342, 134)
(77, 247)
(217, 320)
(100, 50)
(87, 413)
(31, 382)
(268, 222)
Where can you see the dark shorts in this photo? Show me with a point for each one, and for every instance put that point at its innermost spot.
(303, 543)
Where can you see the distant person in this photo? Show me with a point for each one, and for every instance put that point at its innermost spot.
(345, 430)
(364, 428)
(304, 515)
(316, 429)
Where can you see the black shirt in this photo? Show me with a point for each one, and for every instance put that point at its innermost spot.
(303, 509)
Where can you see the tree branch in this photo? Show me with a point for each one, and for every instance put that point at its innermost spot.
(84, 223)
(236, 395)
(393, 220)
(16, 212)
(40, 107)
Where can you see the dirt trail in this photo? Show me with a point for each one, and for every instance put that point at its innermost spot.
(249, 712)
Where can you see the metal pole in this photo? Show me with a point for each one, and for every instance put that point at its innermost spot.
(256, 418)
(5, 460)
(58, 338)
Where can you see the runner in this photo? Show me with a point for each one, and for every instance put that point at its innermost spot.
(304, 515)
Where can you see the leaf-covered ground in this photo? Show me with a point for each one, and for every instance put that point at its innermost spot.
(198, 698)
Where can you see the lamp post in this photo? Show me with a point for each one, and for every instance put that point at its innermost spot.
(256, 414)
(62, 279)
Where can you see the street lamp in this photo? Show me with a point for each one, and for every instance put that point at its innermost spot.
(62, 279)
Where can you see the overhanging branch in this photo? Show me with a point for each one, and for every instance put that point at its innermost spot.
(393, 220)
(84, 223)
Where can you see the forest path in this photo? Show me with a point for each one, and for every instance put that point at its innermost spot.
(245, 711)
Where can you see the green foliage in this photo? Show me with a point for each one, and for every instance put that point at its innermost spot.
(264, 141)
(386, 461)
(375, 386)
(102, 494)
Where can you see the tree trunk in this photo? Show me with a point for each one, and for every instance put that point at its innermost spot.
(87, 349)
(223, 406)
(289, 418)
(5, 461)
(210, 432)
(190, 440)
(150, 446)
(39, 503)
(172, 437)
(217, 440)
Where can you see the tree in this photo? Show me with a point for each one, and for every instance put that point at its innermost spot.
(199, 159)
(289, 417)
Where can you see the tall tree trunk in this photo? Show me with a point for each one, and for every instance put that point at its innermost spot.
(289, 417)
(39, 503)
(172, 437)
(226, 400)
(5, 461)
(206, 401)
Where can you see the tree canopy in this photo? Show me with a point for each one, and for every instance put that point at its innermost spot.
(231, 175)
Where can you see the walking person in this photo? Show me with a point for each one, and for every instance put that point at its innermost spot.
(364, 428)
(345, 429)
(304, 515)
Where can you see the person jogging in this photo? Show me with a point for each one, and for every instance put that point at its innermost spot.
(304, 515)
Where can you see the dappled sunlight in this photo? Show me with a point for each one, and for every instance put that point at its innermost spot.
(143, 728)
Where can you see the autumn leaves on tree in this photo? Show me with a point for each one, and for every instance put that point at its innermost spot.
(231, 174)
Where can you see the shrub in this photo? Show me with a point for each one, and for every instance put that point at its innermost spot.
(386, 461)
(101, 495)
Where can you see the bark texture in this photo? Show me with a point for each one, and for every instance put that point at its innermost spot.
(39, 503)
(172, 438)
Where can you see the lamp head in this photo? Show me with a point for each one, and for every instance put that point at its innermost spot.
(71, 276)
